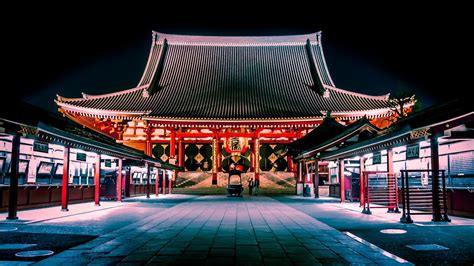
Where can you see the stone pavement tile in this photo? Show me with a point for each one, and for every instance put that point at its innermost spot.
(150, 247)
(177, 244)
(140, 256)
(223, 245)
(355, 258)
(194, 255)
(224, 239)
(171, 251)
(315, 246)
(15, 263)
(343, 250)
(222, 252)
(333, 261)
(197, 248)
(63, 261)
(220, 261)
(333, 244)
(162, 260)
(129, 263)
(71, 253)
(273, 253)
(295, 250)
(248, 242)
(290, 243)
(105, 261)
(374, 255)
(323, 254)
(104, 248)
(120, 251)
(247, 249)
(266, 239)
(301, 258)
(277, 261)
(389, 262)
(255, 257)
(244, 262)
(272, 245)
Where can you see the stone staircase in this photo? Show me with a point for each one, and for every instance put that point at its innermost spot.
(200, 183)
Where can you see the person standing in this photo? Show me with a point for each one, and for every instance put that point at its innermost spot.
(251, 184)
(257, 185)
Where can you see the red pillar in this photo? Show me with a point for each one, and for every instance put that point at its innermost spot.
(316, 178)
(119, 181)
(157, 183)
(13, 194)
(391, 200)
(342, 180)
(434, 146)
(173, 143)
(97, 181)
(181, 153)
(218, 156)
(362, 180)
(148, 148)
(163, 184)
(252, 157)
(169, 182)
(65, 186)
(257, 158)
(148, 181)
(289, 159)
(214, 161)
(127, 182)
(390, 161)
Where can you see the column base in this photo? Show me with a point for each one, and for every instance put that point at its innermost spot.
(64, 210)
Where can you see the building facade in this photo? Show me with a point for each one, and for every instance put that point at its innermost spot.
(205, 103)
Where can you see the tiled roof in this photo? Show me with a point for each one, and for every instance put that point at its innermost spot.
(329, 134)
(232, 78)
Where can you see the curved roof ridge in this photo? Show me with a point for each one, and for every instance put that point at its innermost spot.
(172, 38)
(100, 111)
(89, 96)
(377, 97)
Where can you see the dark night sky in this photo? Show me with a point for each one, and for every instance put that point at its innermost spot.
(368, 49)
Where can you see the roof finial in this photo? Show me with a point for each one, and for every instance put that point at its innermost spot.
(318, 37)
(155, 39)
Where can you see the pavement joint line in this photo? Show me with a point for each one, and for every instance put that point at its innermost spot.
(385, 253)
(54, 218)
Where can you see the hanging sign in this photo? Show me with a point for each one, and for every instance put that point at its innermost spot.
(236, 144)
(413, 151)
(81, 156)
(41, 147)
(376, 158)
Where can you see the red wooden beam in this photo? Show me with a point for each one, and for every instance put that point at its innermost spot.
(278, 135)
(65, 186)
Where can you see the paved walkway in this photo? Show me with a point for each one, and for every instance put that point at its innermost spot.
(216, 230)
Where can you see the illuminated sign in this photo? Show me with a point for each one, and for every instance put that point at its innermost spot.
(413, 151)
(41, 147)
